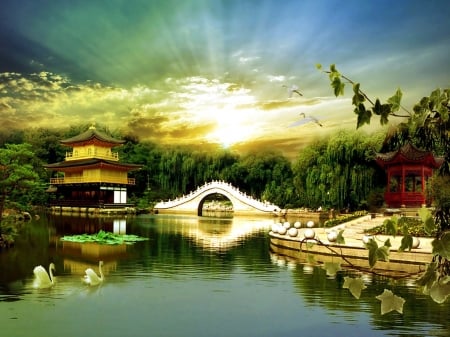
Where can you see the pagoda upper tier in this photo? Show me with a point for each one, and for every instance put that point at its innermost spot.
(92, 144)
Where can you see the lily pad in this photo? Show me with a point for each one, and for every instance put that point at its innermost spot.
(103, 237)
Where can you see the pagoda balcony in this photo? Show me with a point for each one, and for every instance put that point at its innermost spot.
(74, 156)
(83, 180)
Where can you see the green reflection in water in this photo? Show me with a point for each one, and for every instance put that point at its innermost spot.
(193, 277)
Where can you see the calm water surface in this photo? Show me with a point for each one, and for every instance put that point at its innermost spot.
(193, 277)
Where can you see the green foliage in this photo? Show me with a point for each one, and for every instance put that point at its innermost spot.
(364, 107)
(19, 180)
(403, 225)
(391, 227)
(390, 302)
(428, 221)
(8, 231)
(377, 253)
(338, 172)
(103, 237)
(354, 285)
(441, 246)
(406, 243)
(429, 277)
(344, 218)
(340, 237)
(395, 100)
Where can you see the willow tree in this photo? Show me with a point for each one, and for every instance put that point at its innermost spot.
(339, 172)
(427, 126)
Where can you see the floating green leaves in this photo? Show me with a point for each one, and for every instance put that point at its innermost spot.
(390, 302)
(103, 237)
(354, 285)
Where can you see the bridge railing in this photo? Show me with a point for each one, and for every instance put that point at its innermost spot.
(234, 191)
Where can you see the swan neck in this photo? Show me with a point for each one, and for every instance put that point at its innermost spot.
(50, 269)
(100, 270)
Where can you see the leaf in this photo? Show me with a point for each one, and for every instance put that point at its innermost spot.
(372, 246)
(429, 277)
(357, 97)
(395, 100)
(406, 243)
(440, 291)
(340, 237)
(338, 86)
(390, 226)
(383, 253)
(363, 115)
(390, 302)
(427, 219)
(382, 110)
(332, 268)
(441, 246)
(377, 253)
(354, 285)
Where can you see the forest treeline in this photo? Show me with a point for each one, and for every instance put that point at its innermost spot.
(336, 172)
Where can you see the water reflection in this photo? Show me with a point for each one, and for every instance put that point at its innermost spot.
(195, 276)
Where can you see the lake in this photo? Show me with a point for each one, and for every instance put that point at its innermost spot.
(194, 276)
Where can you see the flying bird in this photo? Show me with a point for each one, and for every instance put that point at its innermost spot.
(306, 119)
(42, 278)
(91, 278)
(293, 89)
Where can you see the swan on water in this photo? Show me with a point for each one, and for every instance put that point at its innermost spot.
(91, 277)
(42, 278)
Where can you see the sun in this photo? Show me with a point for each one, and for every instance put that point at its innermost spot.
(233, 126)
(231, 133)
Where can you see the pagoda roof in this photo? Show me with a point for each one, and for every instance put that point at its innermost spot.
(409, 154)
(91, 162)
(90, 134)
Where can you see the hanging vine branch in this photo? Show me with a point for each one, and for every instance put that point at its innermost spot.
(360, 97)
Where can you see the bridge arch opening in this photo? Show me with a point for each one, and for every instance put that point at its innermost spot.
(215, 205)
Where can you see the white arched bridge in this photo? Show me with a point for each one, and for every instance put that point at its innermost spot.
(193, 202)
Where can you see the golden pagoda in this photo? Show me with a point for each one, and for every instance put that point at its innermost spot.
(91, 176)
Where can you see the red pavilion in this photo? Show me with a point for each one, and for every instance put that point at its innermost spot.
(408, 170)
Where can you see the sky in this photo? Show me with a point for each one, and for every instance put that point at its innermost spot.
(211, 71)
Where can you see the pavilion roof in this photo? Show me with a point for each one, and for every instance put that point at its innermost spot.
(91, 162)
(90, 134)
(409, 154)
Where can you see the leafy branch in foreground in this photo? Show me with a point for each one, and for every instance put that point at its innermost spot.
(427, 126)
(360, 99)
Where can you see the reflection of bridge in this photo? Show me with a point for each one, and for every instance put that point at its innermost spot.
(193, 202)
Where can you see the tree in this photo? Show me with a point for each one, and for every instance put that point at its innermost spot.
(17, 175)
(338, 172)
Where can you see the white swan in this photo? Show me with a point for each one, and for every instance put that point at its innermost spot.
(42, 278)
(91, 277)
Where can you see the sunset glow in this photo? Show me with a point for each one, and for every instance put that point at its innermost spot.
(213, 71)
